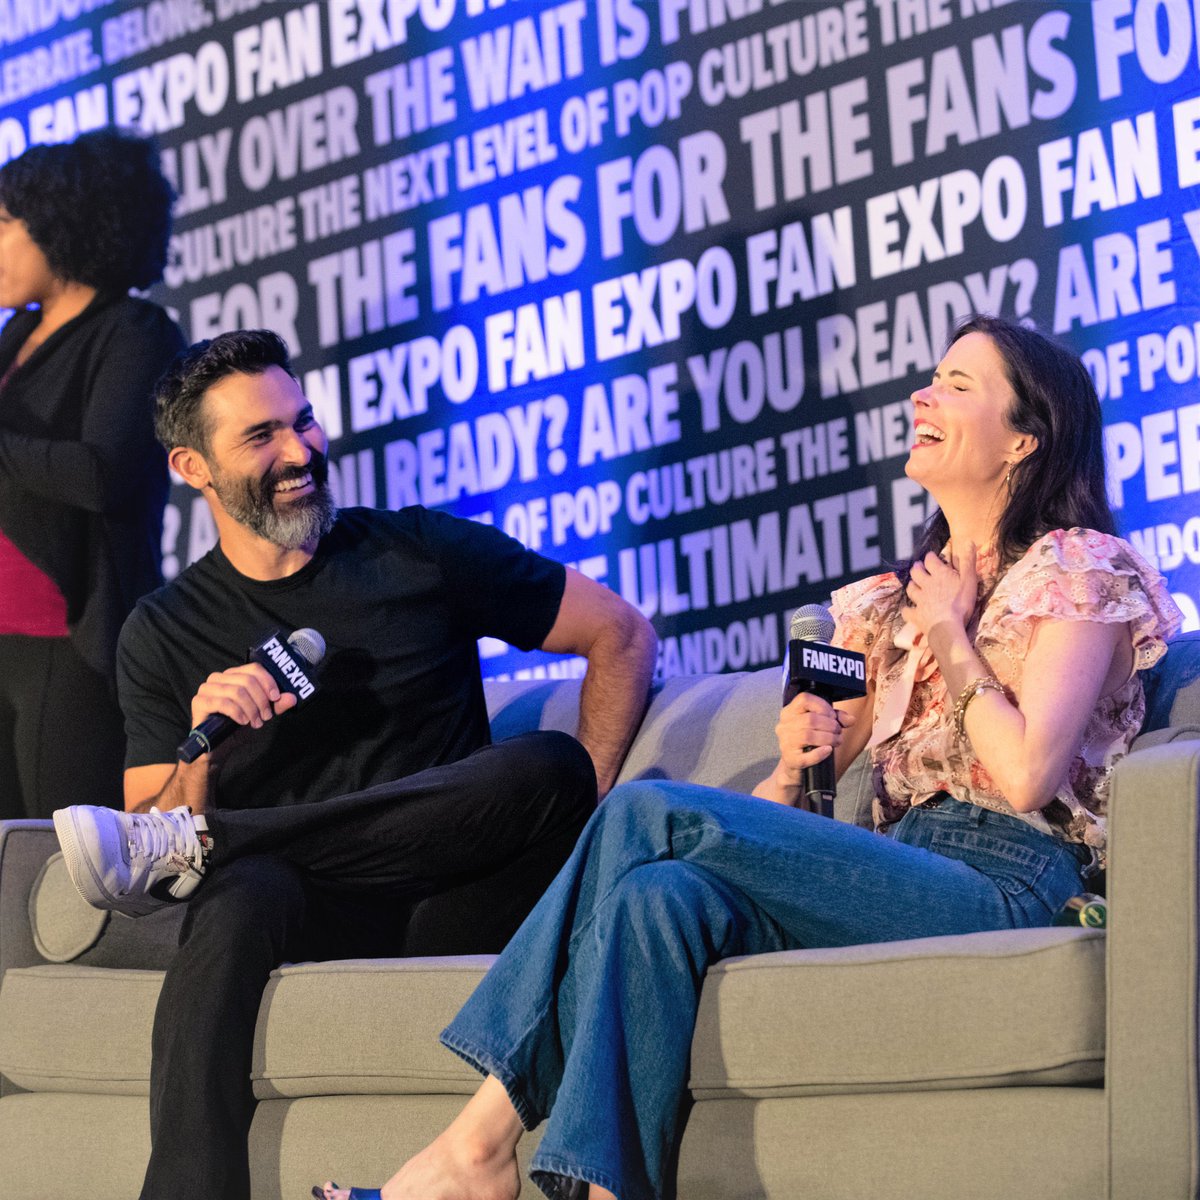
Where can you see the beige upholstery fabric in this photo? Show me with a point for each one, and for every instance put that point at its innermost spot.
(379, 1021)
(55, 1146)
(81, 1029)
(1154, 974)
(708, 730)
(992, 1144)
(955, 1011)
(64, 924)
(905, 1015)
(383, 1039)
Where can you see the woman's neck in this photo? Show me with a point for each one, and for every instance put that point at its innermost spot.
(64, 303)
(980, 534)
(973, 519)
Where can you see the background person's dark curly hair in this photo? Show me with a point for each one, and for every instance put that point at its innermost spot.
(98, 208)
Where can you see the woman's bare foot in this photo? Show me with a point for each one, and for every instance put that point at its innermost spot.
(475, 1158)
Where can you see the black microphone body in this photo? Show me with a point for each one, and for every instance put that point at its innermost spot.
(816, 667)
(292, 664)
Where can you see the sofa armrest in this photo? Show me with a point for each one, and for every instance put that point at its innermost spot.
(1152, 973)
(24, 848)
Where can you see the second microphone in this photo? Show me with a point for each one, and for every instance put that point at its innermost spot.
(816, 667)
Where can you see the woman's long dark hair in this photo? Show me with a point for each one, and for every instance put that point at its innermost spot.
(1060, 484)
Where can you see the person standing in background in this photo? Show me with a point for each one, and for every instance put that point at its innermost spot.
(83, 482)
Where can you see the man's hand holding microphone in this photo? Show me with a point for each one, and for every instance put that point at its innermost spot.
(277, 676)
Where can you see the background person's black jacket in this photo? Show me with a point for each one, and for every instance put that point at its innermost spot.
(82, 479)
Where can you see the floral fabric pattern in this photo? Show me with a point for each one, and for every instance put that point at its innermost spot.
(1074, 575)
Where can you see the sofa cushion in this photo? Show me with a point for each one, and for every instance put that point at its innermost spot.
(716, 730)
(364, 1027)
(73, 1028)
(64, 924)
(981, 1010)
(795, 1023)
(60, 1146)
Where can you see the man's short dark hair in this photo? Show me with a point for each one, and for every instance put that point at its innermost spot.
(179, 418)
(98, 208)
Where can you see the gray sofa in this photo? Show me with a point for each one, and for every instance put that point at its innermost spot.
(1057, 1063)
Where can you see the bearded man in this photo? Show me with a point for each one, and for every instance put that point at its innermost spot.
(375, 819)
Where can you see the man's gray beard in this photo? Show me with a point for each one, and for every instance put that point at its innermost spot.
(302, 523)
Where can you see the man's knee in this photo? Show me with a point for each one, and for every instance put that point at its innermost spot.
(250, 899)
(549, 760)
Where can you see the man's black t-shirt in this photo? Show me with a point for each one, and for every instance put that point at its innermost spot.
(400, 599)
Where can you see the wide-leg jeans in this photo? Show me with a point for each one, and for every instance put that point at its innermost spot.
(587, 1017)
(447, 861)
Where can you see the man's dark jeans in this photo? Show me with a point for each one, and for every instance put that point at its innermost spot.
(448, 861)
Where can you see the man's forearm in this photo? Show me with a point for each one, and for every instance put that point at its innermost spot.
(190, 784)
(614, 695)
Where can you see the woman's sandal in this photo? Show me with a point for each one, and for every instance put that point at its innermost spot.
(355, 1193)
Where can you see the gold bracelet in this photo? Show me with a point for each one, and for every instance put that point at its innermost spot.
(984, 683)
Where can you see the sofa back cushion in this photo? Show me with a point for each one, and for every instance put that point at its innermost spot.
(715, 730)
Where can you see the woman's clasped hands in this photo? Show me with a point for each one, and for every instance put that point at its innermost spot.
(942, 593)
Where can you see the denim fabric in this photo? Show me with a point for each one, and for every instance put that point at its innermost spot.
(587, 1016)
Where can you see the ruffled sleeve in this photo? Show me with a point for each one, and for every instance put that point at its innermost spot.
(1082, 575)
(861, 611)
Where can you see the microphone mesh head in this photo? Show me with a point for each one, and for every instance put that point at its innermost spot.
(812, 623)
(309, 643)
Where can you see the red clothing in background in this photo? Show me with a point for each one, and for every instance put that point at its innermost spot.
(30, 602)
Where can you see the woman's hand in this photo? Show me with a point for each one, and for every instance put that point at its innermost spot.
(942, 593)
(809, 730)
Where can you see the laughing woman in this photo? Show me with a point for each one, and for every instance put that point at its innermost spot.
(1003, 684)
(82, 480)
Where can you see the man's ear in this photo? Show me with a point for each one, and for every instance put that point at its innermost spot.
(191, 466)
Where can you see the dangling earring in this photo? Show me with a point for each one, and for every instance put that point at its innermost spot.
(1008, 479)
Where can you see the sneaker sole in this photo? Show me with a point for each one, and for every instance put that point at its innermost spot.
(83, 875)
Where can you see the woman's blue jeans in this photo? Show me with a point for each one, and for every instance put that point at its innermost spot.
(587, 1016)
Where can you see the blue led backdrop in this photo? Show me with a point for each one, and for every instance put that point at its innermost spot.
(648, 284)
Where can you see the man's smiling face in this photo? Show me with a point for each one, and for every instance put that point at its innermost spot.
(267, 458)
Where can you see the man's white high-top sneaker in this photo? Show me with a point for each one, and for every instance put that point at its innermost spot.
(132, 863)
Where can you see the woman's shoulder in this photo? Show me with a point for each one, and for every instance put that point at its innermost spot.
(862, 608)
(1083, 574)
(142, 316)
(1081, 549)
(874, 591)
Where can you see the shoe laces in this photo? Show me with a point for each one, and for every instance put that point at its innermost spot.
(169, 836)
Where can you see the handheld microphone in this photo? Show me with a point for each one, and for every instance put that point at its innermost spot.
(816, 667)
(292, 666)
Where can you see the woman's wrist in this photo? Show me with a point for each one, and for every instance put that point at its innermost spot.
(783, 785)
(950, 645)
